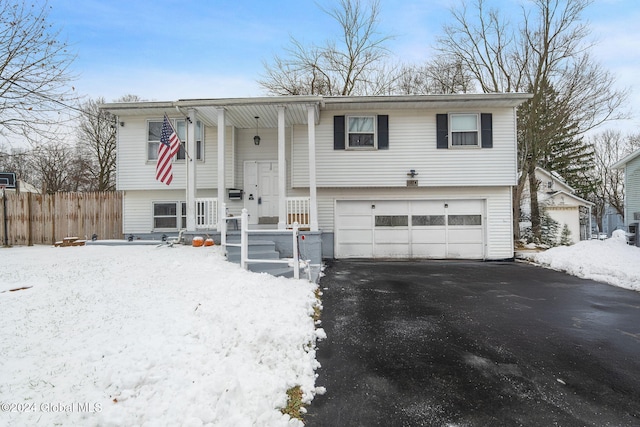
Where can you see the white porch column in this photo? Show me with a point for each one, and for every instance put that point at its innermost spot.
(191, 170)
(282, 172)
(221, 171)
(313, 195)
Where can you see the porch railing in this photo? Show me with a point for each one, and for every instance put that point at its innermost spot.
(206, 213)
(298, 209)
(295, 262)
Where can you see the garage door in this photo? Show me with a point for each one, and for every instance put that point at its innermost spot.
(410, 229)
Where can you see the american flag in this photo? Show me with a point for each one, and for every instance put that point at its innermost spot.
(168, 147)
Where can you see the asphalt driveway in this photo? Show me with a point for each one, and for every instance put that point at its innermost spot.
(445, 343)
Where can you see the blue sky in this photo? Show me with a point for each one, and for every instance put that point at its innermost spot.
(168, 49)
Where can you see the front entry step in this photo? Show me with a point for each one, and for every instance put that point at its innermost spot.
(258, 249)
(263, 250)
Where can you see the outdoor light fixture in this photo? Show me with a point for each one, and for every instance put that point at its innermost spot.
(256, 139)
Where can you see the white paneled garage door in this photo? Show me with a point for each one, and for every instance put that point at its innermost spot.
(410, 229)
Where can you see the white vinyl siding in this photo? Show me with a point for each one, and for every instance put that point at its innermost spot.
(138, 207)
(412, 145)
(136, 172)
(267, 150)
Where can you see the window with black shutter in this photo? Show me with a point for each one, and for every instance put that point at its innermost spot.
(361, 132)
(464, 130)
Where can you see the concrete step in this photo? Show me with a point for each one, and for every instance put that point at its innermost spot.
(258, 249)
(234, 256)
(262, 250)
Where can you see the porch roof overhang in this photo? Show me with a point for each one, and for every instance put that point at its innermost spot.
(239, 112)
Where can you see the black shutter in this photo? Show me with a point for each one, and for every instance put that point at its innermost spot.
(442, 131)
(338, 132)
(383, 132)
(486, 126)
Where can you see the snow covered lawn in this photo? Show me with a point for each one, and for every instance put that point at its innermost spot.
(148, 336)
(610, 261)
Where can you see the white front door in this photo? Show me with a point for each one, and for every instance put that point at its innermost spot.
(261, 190)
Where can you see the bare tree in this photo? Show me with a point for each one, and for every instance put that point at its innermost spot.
(60, 167)
(352, 64)
(610, 147)
(97, 134)
(548, 48)
(34, 67)
(16, 160)
(441, 75)
(486, 46)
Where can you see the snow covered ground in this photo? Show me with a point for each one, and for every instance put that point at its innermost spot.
(610, 261)
(149, 336)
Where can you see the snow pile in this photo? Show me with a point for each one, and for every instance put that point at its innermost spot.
(610, 261)
(140, 335)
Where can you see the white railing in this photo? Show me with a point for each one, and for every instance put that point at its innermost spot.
(224, 227)
(298, 209)
(206, 213)
(295, 262)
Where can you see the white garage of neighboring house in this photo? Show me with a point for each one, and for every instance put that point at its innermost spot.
(559, 201)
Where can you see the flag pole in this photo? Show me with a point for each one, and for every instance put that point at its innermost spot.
(183, 144)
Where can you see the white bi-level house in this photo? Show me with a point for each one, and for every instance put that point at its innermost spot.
(372, 176)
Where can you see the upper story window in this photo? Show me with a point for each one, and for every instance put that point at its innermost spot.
(464, 129)
(361, 131)
(154, 130)
(181, 129)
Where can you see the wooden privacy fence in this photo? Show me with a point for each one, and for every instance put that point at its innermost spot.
(33, 219)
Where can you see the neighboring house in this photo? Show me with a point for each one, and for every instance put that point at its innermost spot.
(376, 176)
(10, 183)
(611, 221)
(631, 167)
(559, 201)
(25, 187)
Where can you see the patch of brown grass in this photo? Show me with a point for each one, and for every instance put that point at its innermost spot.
(294, 403)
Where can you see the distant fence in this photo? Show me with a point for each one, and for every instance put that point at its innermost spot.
(32, 219)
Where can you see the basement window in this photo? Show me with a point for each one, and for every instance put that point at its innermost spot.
(165, 215)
